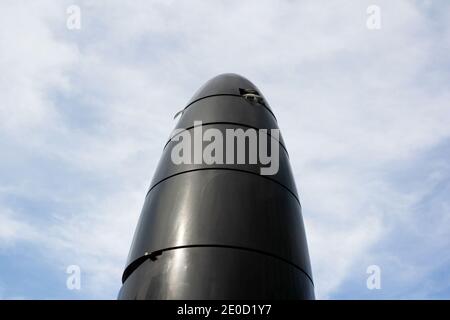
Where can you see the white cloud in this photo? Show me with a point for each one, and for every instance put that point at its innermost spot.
(13, 230)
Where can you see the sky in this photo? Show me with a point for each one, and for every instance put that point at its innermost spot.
(364, 112)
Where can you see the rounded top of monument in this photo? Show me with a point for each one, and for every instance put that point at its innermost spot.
(226, 84)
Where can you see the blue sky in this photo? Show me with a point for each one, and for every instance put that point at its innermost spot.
(365, 115)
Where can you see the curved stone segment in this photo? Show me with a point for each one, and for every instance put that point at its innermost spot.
(283, 175)
(194, 271)
(218, 207)
(228, 109)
